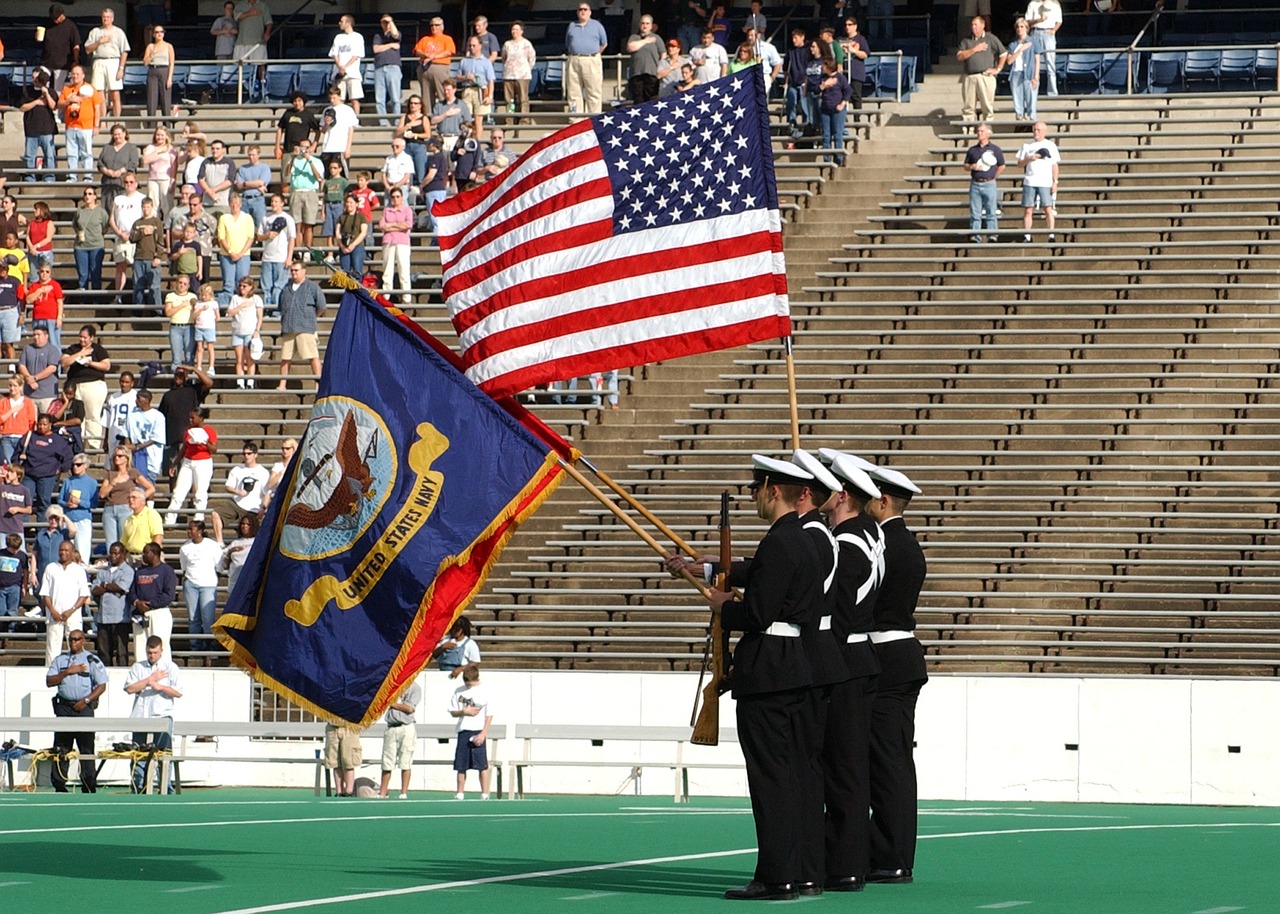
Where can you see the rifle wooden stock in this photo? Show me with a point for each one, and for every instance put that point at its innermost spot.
(706, 728)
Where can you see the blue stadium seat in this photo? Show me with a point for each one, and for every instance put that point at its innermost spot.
(1239, 64)
(282, 79)
(1164, 71)
(1084, 69)
(313, 80)
(1202, 65)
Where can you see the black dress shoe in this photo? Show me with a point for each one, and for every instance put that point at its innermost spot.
(763, 891)
(808, 888)
(889, 876)
(845, 884)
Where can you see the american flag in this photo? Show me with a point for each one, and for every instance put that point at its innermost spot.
(646, 233)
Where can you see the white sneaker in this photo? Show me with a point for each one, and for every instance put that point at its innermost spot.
(404, 796)
(459, 796)
(484, 796)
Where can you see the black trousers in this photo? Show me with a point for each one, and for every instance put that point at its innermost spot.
(774, 731)
(893, 777)
(644, 87)
(84, 745)
(846, 778)
(113, 642)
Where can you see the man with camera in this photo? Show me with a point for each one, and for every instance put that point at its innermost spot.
(38, 125)
(80, 678)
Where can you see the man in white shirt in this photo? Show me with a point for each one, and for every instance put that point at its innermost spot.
(64, 590)
(154, 683)
(126, 209)
(115, 415)
(397, 171)
(338, 125)
(108, 46)
(278, 234)
(1040, 158)
(768, 55)
(710, 61)
(1045, 18)
(146, 433)
(246, 483)
(346, 53)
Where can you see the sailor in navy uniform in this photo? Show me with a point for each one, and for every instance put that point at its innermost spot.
(80, 678)
(846, 753)
(771, 676)
(902, 675)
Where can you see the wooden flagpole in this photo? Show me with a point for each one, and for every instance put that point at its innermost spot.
(641, 509)
(791, 394)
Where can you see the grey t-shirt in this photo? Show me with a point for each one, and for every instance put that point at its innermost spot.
(982, 60)
(36, 359)
(410, 696)
(644, 62)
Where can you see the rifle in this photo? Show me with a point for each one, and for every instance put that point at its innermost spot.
(706, 725)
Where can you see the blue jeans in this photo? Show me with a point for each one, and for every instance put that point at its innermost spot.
(274, 276)
(417, 152)
(1024, 94)
(880, 27)
(10, 600)
(387, 81)
(43, 145)
(80, 152)
(200, 607)
(833, 133)
(1046, 45)
(41, 489)
(255, 207)
(9, 445)
(232, 272)
(113, 518)
(797, 102)
(429, 198)
(89, 267)
(353, 264)
(182, 342)
(983, 198)
(161, 740)
(146, 283)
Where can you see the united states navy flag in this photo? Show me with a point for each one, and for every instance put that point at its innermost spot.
(406, 485)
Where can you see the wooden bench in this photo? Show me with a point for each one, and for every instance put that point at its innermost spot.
(25, 727)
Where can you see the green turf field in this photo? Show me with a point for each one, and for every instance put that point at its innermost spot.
(229, 850)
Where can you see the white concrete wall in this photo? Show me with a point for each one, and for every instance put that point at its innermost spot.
(1166, 740)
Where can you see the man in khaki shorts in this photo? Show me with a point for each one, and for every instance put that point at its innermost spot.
(108, 46)
(301, 303)
(342, 754)
(304, 175)
(398, 743)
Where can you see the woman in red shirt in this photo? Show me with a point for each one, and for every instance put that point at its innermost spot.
(193, 467)
(40, 232)
(45, 297)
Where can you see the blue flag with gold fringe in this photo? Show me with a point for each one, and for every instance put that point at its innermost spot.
(405, 487)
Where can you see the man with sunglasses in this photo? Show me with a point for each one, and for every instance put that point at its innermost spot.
(584, 42)
(80, 679)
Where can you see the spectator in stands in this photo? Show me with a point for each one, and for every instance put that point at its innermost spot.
(79, 103)
(346, 52)
(38, 368)
(1040, 157)
(11, 309)
(176, 219)
(109, 48)
(46, 298)
(87, 363)
(709, 59)
(688, 78)
(192, 469)
(833, 100)
(90, 224)
(456, 649)
(305, 177)
(216, 176)
(15, 499)
(434, 51)
(117, 158)
(44, 457)
(224, 31)
(125, 210)
(1045, 18)
(110, 588)
(476, 80)
(187, 167)
(981, 57)
(115, 413)
(68, 417)
(466, 160)
(39, 125)
(160, 58)
(471, 705)
(449, 114)
(301, 303)
(16, 260)
(645, 49)
(17, 418)
(288, 448)
(415, 129)
(297, 124)
(236, 233)
(15, 570)
(80, 678)
(744, 58)
(246, 484)
(78, 498)
(12, 222)
(278, 234)
(387, 75)
(160, 157)
(61, 46)
(142, 527)
(206, 224)
(856, 51)
(985, 163)
(147, 439)
(518, 59)
(693, 19)
(366, 197)
(154, 683)
(755, 21)
(338, 125)
(204, 323)
(602, 382)
(770, 59)
(48, 540)
(253, 24)
(669, 68)
(149, 255)
(342, 755)
(399, 739)
(584, 42)
(64, 591)
(184, 258)
(1024, 72)
(238, 550)
(395, 225)
(435, 183)
(490, 47)
(252, 181)
(40, 233)
(353, 231)
(496, 157)
(335, 191)
(199, 557)
(179, 307)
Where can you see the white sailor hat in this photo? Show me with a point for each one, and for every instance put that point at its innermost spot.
(829, 454)
(813, 465)
(892, 482)
(778, 472)
(844, 468)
